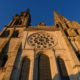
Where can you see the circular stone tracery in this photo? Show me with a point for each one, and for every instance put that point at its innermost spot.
(41, 40)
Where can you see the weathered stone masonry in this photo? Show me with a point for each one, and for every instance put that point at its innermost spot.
(40, 52)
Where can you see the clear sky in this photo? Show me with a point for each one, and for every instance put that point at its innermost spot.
(40, 10)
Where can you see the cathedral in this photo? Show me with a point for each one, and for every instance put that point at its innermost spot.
(40, 52)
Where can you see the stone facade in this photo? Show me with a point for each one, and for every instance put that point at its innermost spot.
(40, 52)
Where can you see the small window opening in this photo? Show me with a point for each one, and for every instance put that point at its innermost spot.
(15, 34)
(66, 33)
(76, 32)
(57, 25)
(18, 22)
(5, 33)
(3, 60)
(67, 26)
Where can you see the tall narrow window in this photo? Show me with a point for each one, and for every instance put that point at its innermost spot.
(67, 25)
(65, 31)
(60, 25)
(76, 31)
(3, 60)
(3, 55)
(15, 34)
(5, 33)
(24, 75)
(44, 71)
(18, 22)
(62, 69)
(57, 25)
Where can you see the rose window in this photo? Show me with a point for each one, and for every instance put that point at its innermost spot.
(41, 40)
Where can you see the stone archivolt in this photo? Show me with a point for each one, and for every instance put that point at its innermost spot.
(40, 52)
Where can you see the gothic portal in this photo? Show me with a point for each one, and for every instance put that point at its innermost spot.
(40, 52)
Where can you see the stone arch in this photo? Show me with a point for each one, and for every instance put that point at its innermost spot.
(44, 67)
(24, 73)
(62, 69)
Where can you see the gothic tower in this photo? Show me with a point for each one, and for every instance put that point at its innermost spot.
(40, 52)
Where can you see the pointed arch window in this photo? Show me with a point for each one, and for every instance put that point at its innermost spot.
(18, 22)
(76, 31)
(15, 34)
(44, 71)
(67, 25)
(4, 55)
(57, 25)
(24, 75)
(62, 69)
(3, 60)
(65, 31)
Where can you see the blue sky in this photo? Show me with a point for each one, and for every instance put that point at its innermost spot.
(41, 10)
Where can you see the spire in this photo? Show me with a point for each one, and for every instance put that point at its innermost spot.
(23, 19)
(25, 13)
(57, 17)
(57, 14)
